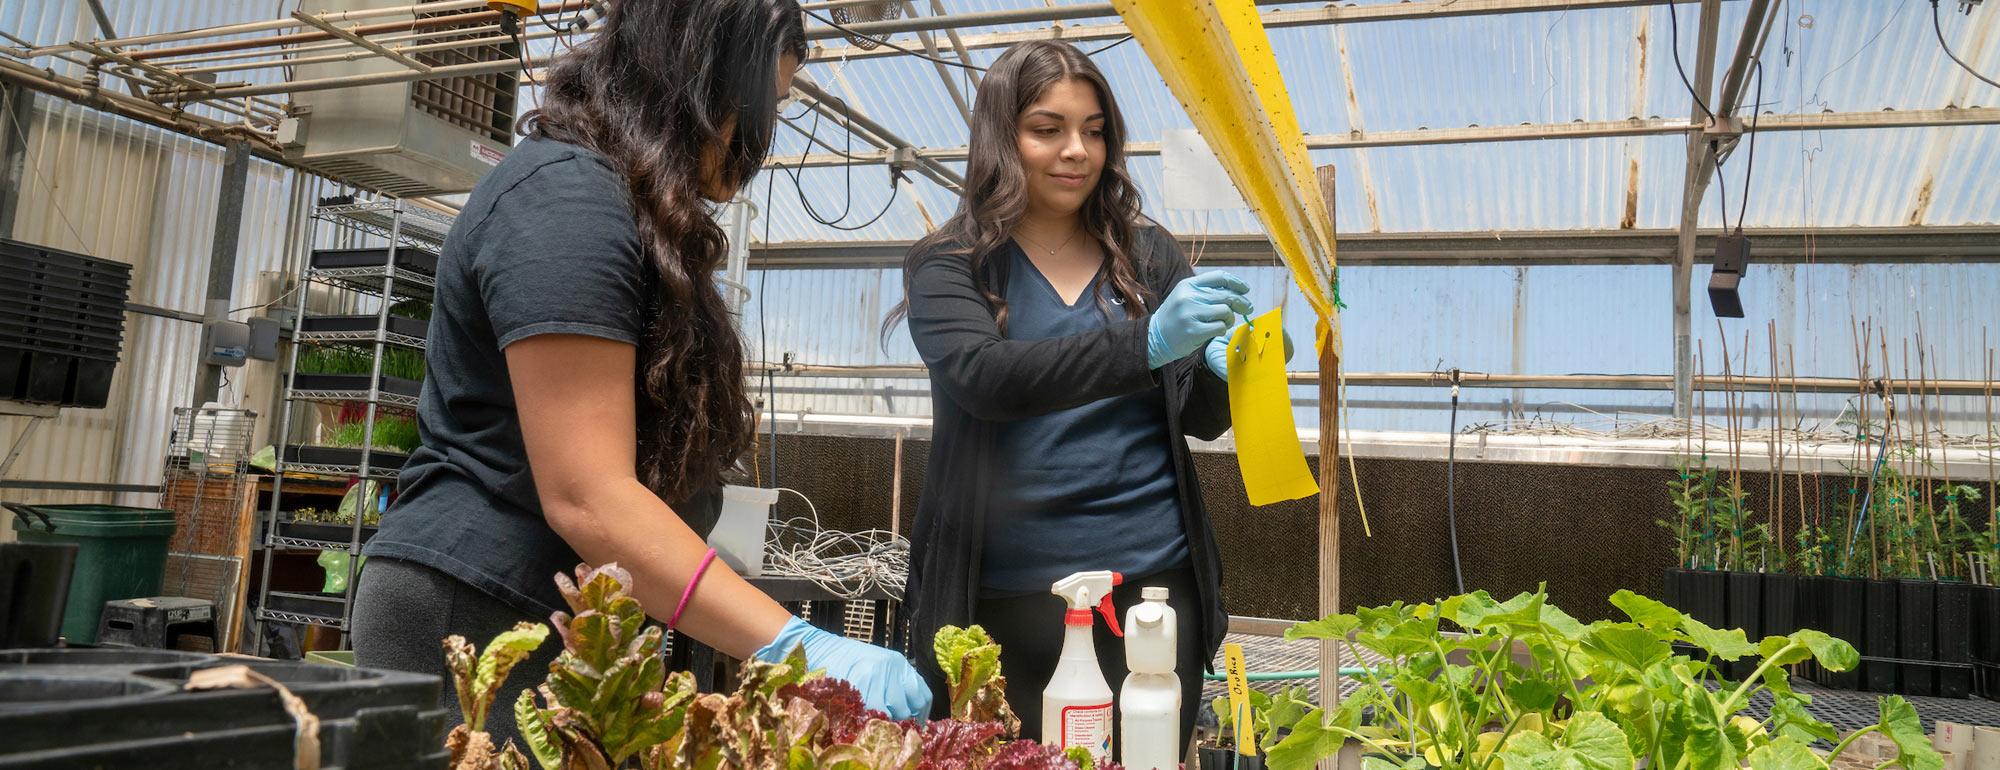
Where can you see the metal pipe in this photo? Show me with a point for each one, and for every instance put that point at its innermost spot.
(1755, 23)
(1288, 17)
(137, 109)
(480, 18)
(347, 52)
(1495, 380)
(1693, 184)
(266, 26)
(355, 38)
(1818, 121)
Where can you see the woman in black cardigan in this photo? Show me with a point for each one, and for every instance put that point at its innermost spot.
(1069, 348)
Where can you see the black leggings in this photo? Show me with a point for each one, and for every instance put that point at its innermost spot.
(402, 613)
(1030, 632)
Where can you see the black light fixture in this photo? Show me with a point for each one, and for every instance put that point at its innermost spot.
(1732, 254)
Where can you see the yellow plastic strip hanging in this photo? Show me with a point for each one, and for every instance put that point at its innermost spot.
(1268, 452)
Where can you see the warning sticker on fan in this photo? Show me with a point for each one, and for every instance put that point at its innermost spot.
(492, 157)
(1089, 727)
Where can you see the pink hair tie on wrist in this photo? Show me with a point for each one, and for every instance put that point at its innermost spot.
(688, 593)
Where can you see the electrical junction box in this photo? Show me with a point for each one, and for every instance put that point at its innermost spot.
(225, 343)
(1732, 256)
(264, 338)
(410, 138)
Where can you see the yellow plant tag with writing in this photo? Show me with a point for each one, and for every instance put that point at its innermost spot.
(1260, 404)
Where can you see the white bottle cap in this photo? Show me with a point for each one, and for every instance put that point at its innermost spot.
(1153, 593)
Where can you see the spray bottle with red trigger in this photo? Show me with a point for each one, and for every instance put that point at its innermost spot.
(1076, 706)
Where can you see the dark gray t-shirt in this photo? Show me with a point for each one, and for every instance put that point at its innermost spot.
(1086, 488)
(546, 244)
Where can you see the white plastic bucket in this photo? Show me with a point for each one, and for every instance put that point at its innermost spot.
(738, 536)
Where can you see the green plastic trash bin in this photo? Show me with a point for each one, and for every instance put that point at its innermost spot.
(121, 554)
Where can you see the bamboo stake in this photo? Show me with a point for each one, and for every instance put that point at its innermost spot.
(1819, 486)
(1701, 406)
(1729, 431)
(1860, 434)
(1992, 448)
(1777, 455)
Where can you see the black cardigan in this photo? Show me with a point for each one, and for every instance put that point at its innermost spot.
(979, 378)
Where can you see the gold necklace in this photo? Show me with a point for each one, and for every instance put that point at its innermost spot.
(1052, 252)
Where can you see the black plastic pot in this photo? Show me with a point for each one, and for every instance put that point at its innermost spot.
(1842, 613)
(34, 586)
(1745, 611)
(48, 376)
(1703, 594)
(1780, 604)
(1986, 641)
(1954, 638)
(1917, 634)
(1226, 758)
(1880, 638)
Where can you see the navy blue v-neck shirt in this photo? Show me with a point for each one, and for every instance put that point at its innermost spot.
(1086, 488)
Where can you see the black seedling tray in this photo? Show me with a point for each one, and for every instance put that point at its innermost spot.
(129, 708)
(340, 455)
(13, 251)
(325, 533)
(408, 327)
(356, 382)
(416, 260)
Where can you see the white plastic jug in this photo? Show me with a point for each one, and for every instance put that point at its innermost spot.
(738, 536)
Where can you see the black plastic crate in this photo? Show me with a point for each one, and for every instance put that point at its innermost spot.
(13, 250)
(412, 259)
(344, 456)
(408, 327)
(357, 383)
(13, 372)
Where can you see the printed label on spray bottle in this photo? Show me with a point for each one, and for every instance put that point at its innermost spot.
(1089, 727)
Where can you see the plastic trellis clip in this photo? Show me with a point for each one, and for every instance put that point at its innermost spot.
(1248, 323)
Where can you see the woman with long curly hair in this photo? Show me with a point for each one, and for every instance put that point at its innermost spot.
(585, 390)
(1071, 348)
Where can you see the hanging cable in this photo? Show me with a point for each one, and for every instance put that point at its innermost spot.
(1938, 27)
(1750, 163)
(885, 43)
(1451, 482)
(1114, 44)
(847, 170)
(1674, 30)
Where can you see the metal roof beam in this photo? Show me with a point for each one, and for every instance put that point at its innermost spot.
(1793, 245)
(1289, 17)
(1817, 121)
(1692, 187)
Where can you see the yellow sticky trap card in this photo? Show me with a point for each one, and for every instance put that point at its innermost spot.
(1260, 403)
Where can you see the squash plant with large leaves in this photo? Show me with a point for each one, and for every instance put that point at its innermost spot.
(1526, 686)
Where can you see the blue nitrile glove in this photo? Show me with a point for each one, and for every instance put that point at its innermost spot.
(1217, 352)
(885, 678)
(1196, 310)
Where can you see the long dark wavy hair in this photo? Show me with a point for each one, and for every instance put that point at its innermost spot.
(996, 189)
(653, 92)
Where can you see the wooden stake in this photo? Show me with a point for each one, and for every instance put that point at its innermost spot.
(1329, 487)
